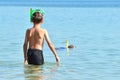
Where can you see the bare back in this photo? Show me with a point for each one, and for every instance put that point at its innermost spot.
(36, 38)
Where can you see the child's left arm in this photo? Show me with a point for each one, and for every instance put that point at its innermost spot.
(25, 47)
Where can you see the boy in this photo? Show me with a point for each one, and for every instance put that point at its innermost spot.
(69, 46)
(35, 39)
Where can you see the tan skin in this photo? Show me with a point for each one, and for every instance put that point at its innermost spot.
(35, 39)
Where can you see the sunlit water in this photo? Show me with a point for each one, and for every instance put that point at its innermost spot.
(94, 32)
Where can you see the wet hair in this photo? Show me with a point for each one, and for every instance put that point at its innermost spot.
(71, 46)
(37, 17)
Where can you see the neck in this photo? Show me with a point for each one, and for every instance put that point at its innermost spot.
(36, 25)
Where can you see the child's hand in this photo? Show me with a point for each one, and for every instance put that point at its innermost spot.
(58, 59)
(25, 62)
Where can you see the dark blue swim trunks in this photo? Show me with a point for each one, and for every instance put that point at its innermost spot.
(35, 57)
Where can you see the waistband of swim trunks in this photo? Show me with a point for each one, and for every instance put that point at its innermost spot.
(34, 49)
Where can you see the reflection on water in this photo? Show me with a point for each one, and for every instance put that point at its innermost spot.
(33, 72)
(39, 72)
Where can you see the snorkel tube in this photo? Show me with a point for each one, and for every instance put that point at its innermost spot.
(36, 10)
(67, 43)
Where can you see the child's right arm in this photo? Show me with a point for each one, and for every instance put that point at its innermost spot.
(51, 46)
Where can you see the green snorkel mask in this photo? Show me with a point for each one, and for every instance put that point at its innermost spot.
(33, 11)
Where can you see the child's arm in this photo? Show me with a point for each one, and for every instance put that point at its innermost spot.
(25, 48)
(51, 46)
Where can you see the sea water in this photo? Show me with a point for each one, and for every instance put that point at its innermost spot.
(95, 33)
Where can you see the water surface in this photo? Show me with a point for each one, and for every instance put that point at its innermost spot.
(94, 32)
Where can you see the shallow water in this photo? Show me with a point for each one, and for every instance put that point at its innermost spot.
(94, 32)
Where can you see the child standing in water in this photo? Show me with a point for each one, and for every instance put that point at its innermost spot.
(34, 41)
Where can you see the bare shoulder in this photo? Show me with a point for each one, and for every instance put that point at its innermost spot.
(44, 30)
(28, 31)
